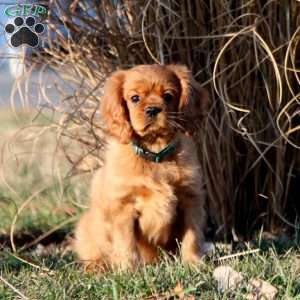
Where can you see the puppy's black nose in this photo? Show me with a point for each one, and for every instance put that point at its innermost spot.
(152, 111)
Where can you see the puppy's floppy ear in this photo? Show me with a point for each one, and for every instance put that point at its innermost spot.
(113, 108)
(194, 99)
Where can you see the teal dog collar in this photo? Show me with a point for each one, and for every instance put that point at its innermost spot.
(152, 156)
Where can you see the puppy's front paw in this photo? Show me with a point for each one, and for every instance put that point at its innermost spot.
(126, 262)
(95, 267)
(191, 257)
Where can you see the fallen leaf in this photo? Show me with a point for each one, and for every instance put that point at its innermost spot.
(227, 278)
(262, 290)
(179, 291)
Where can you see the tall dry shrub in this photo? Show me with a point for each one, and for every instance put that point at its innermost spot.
(246, 53)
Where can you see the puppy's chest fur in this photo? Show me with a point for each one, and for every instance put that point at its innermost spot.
(156, 190)
(158, 200)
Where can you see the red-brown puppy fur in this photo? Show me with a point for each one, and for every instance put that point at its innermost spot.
(138, 206)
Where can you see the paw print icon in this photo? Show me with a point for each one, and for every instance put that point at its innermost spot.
(24, 32)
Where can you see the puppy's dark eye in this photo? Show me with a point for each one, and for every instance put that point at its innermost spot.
(135, 98)
(168, 97)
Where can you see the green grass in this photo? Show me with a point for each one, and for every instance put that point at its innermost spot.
(67, 281)
(49, 269)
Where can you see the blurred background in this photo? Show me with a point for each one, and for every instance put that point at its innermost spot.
(245, 53)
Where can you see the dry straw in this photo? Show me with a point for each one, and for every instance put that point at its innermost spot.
(245, 53)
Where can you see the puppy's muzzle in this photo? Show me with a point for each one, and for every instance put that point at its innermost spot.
(152, 111)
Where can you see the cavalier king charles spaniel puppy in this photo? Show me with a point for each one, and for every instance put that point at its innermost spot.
(149, 194)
